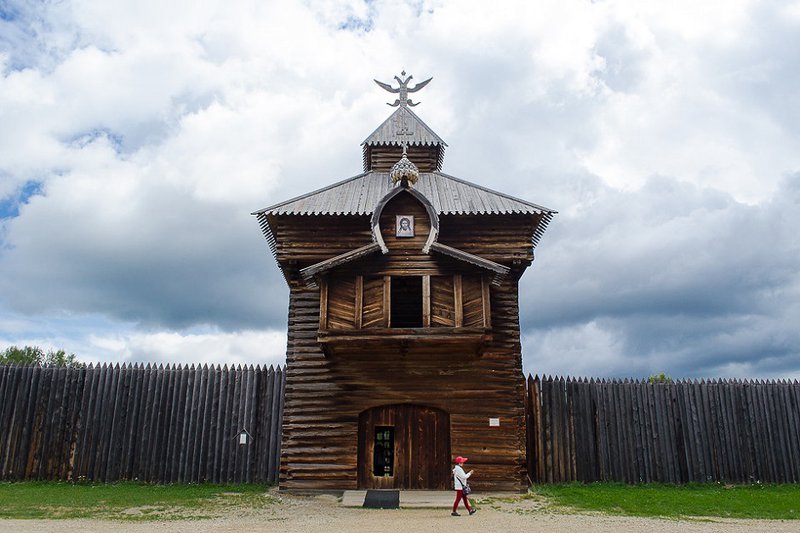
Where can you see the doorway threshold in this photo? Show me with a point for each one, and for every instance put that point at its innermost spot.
(408, 499)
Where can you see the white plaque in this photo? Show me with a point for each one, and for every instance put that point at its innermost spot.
(242, 438)
(494, 422)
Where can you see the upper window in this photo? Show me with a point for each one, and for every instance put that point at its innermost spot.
(406, 302)
(426, 301)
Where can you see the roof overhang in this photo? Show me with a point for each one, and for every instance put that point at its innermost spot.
(499, 271)
(310, 272)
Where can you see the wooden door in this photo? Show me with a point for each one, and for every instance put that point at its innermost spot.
(404, 447)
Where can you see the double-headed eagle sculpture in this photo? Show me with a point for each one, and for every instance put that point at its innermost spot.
(403, 90)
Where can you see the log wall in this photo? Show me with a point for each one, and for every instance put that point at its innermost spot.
(383, 158)
(302, 241)
(325, 395)
(499, 238)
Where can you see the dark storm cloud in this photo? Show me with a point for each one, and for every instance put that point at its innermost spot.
(187, 264)
(678, 279)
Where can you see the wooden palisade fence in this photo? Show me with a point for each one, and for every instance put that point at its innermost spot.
(182, 424)
(159, 424)
(633, 431)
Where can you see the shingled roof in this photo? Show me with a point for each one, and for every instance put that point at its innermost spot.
(404, 126)
(360, 194)
(448, 195)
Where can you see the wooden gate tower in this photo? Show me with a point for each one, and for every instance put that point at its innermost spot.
(403, 342)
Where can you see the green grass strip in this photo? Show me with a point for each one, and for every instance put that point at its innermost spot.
(678, 501)
(126, 501)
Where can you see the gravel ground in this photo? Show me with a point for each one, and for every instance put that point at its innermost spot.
(323, 514)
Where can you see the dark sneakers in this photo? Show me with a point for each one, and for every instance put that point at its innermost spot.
(472, 512)
(454, 514)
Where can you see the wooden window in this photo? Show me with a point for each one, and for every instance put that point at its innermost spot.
(472, 296)
(362, 302)
(373, 315)
(383, 452)
(341, 308)
(443, 308)
(406, 302)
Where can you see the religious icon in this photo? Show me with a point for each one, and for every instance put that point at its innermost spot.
(404, 226)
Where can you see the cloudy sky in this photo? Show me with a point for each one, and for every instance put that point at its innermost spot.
(137, 137)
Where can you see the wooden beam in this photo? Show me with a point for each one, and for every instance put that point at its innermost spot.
(487, 305)
(323, 304)
(426, 301)
(387, 301)
(413, 336)
(458, 298)
(359, 301)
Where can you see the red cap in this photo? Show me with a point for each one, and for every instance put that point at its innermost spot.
(460, 460)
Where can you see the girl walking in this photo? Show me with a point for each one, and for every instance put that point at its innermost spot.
(459, 482)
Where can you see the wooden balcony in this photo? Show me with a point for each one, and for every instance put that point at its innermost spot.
(404, 341)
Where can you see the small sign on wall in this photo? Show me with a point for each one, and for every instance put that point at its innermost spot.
(494, 422)
(244, 437)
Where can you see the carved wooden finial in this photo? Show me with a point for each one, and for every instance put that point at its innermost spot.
(403, 90)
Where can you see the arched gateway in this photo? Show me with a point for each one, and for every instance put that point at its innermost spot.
(403, 447)
(403, 341)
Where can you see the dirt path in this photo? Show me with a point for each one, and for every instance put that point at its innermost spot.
(323, 514)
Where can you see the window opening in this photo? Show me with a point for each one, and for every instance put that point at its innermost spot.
(383, 453)
(406, 302)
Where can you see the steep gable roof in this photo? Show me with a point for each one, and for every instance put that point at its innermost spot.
(360, 194)
(403, 126)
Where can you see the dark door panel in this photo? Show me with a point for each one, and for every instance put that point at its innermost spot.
(419, 438)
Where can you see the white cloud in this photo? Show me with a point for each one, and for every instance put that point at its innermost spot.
(588, 349)
(661, 132)
(198, 347)
(212, 347)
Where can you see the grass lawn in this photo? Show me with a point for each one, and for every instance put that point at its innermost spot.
(126, 501)
(138, 501)
(677, 501)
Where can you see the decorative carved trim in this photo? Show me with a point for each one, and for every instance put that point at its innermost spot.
(376, 218)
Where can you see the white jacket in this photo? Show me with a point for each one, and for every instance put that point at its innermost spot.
(459, 477)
